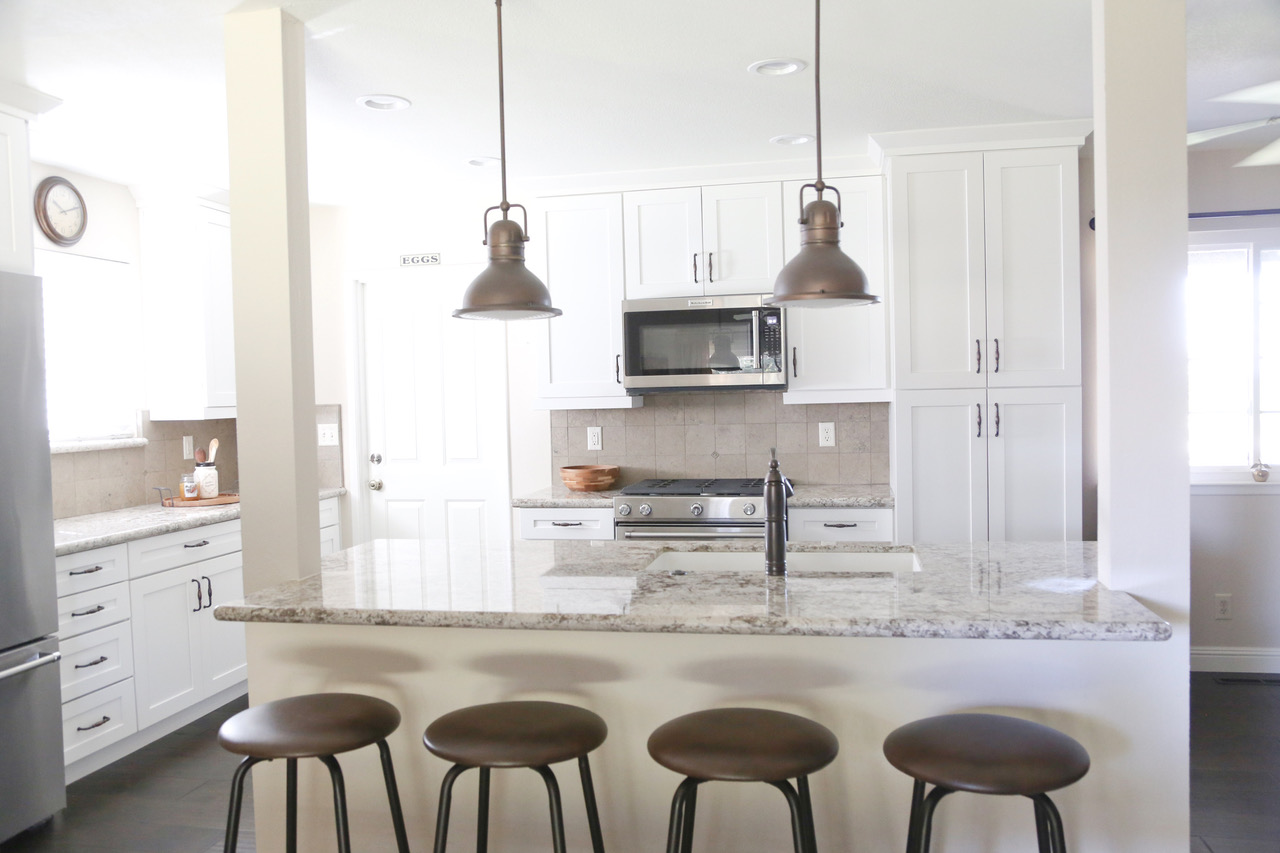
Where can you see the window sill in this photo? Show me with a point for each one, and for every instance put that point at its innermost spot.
(96, 444)
(1237, 487)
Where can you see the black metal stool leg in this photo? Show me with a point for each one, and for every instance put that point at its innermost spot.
(557, 816)
(393, 797)
(1053, 823)
(806, 814)
(913, 822)
(589, 795)
(482, 813)
(291, 806)
(237, 797)
(1043, 842)
(925, 824)
(675, 829)
(442, 815)
(339, 803)
(686, 820)
(797, 821)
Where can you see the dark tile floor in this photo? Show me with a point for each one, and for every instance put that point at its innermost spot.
(172, 795)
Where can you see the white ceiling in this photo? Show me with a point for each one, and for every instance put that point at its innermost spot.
(592, 86)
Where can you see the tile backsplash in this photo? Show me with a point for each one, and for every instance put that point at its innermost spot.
(728, 434)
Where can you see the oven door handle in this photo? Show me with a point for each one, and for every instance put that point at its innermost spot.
(644, 534)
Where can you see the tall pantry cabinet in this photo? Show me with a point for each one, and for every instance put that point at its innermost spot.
(986, 291)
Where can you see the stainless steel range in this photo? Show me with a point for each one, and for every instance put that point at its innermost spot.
(690, 509)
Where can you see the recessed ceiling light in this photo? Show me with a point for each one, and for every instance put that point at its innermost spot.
(792, 139)
(383, 102)
(777, 67)
(483, 161)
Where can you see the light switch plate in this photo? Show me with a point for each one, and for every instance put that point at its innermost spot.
(188, 447)
(327, 435)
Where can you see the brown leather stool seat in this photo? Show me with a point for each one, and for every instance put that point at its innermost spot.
(985, 754)
(742, 745)
(319, 725)
(517, 734)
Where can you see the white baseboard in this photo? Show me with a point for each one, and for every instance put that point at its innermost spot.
(1234, 659)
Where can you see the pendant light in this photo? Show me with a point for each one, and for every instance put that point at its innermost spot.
(506, 289)
(820, 276)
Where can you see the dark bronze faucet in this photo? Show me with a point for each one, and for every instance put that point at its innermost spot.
(777, 489)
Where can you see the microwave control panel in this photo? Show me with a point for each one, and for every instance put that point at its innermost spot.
(771, 338)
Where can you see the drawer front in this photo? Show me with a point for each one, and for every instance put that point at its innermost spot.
(98, 719)
(558, 523)
(328, 512)
(170, 550)
(94, 660)
(87, 611)
(92, 569)
(840, 525)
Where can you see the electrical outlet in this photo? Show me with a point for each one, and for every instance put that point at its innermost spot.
(594, 439)
(188, 447)
(327, 435)
(1222, 605)
(827, 434)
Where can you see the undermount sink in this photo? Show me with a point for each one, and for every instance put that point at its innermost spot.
(798, 563)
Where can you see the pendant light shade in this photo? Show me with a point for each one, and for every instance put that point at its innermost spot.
(506, 289)
(820, 276)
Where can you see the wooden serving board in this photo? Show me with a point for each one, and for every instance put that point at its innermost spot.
(224, 498)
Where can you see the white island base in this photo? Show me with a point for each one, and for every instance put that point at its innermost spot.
(1125, 701)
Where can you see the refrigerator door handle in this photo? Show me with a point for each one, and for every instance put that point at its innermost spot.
(39, 660)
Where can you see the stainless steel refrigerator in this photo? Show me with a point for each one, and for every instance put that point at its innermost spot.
(32, 781)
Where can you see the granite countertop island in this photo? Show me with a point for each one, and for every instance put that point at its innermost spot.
(986, 590)
(558, 496)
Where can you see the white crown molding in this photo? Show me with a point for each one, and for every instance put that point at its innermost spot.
(992, 137)
(23, 101)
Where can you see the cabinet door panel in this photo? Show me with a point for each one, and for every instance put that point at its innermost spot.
(16, 234)
(742, 237)
(1034, 464)
(938, 270)
(663, 231)
(221, 643)
(1033, 266)
(166, 657)
(941, 479)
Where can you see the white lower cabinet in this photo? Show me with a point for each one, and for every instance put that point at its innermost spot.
(839, 524)
(330, 527)
(997, 464)
(181, 654)
(566, 523)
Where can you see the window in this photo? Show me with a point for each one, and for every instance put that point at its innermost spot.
(92, 329)
(1233, 351)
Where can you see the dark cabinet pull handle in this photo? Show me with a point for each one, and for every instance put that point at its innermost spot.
(89, 612)
(102, 659)
(209, 591)
(101, 722)
(978, 345)
(86, 571)
(997, 343)
(695, 267)
(199, 597)
(199, 544)
(566, 524)
(795, 370)
(711, 259)
(979, 420)
(617, 368)
(841, 524)
(997, 433)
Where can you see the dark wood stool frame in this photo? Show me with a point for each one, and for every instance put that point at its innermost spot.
(1049, 831)
(685, 802)
(553, 795)
(339, 801)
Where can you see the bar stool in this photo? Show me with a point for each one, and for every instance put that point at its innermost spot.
(516, 734)
(319, 725)
(985, 754)
(742, 745)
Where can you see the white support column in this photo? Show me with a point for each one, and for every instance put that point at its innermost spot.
(271, 287)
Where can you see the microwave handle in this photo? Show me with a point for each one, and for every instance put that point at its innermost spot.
(755, 338)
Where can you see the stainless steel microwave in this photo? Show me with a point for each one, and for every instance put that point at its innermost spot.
(707, 343)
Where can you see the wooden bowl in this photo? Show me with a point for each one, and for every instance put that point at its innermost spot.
(589, 478)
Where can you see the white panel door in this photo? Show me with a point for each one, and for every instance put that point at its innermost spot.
(436, 401)
(938, 271)
(167, 672)
(940, 441)
(579, 254)
(1034, 466)
(221, 644)
(841, 355)
(742, 237)
(214, 242)
(1033, 267)
(16, 237)
(663, 238)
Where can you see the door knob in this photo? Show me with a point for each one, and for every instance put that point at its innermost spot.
(375, 458)
(375, 485)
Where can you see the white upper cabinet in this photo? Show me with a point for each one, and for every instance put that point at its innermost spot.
(16, 236)
(840, 355)
(986, 268)
(578, 251)
(715, 240)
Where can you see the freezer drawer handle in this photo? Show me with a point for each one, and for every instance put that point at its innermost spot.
(39, 660)
(566, 524)
(105, 719)
(86, 571)
(199, 544)
(840, 524)
(98, 609)
(102, 659)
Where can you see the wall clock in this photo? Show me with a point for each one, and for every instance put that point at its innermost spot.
(60, 211)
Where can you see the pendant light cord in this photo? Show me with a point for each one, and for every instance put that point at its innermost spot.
(817, 85)
(502, 120)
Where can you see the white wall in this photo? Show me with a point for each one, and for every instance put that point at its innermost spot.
(1235, 532)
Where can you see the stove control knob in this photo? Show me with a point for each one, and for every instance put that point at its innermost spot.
(645, 509)
(749, 509)
(624, 509)
(696, 509)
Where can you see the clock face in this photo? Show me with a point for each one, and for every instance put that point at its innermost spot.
(60, 211)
